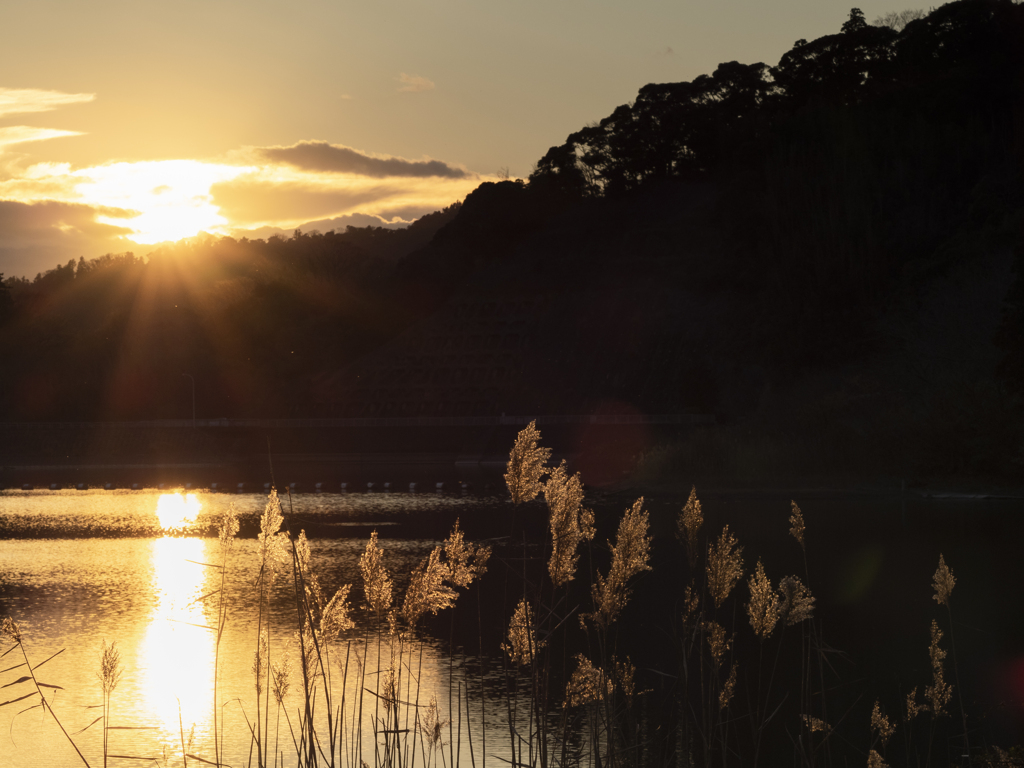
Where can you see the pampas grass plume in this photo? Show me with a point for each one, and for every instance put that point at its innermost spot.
(725, 566)
(526, 465)
(943, 581)
(522, 638)
(880, 725)
(796, 523)
(797, 602)
(939, 692)
(630, 555)
(377, 584)
(688, 526)
(763, 608)
(570, 524)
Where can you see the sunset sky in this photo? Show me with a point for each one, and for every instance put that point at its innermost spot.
(123, 124)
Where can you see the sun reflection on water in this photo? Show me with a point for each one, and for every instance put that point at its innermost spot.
(176, 510)
(177, 651)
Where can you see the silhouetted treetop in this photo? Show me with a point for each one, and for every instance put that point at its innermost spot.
(687, 129)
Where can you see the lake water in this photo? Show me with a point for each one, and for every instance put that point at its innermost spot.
(83, 567)
(78, 568)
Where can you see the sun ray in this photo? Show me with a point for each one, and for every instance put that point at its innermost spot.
(172, 196)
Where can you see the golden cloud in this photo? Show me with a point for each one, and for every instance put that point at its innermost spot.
(55, 212)
(22, 100)
(280, 197)
(39, 236)
(19, 134)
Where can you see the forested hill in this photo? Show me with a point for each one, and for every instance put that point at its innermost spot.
(707, 247)
(824, 186)
(250, 320)
(837, 229)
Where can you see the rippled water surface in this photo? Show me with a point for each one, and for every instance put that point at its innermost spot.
(132, 568)
(80, 568)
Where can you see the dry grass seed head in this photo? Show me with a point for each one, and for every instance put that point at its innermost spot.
(303, 553)
(691, 601)
(429, 588)
(796, 523)
(939, 692)
(943, 581)
(9, 629)
(465, 562)
(389, 685)
(304, 557)
(880, 725)
(335, 618)
(427, 591)
(377, 584)
(725, 566)
(630, 555)
(259, 662)
(570, 524)
(432, 725)
(227, 527)
(875, 760)
(797, 603)
(393, 615)
(271, 542)
(110, 668)
(913, 708)
(725, 695)
(281, 678)
(814, 724)
(1001, 758)
(522, 644)
(625, 677)
(688, 526)
(763, 608)
(587, 684)
(310, 643)
(717, 641)
(526, 465)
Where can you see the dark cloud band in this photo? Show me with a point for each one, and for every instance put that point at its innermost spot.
(39, 236)
(321, 156)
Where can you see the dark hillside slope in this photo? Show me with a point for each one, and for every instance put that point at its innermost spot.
(789, 285)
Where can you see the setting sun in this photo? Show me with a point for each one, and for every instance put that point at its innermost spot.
(171, 197)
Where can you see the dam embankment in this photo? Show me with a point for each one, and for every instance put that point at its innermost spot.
(452, 450)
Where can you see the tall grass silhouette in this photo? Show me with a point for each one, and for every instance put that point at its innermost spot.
(752, 678)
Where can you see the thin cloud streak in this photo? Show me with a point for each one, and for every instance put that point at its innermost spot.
(414, 83)
(279, 197)
(338, 224)
(19, 134)
(15, 101)
(336, 158)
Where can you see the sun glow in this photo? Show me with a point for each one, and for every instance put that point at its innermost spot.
(171, 198)
(176, 510)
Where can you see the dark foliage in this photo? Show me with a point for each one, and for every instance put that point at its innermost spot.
(768, 214)
(110, 338)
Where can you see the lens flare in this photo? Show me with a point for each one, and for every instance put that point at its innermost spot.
(176, 511)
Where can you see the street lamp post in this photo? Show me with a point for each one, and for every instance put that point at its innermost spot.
(193, 398)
